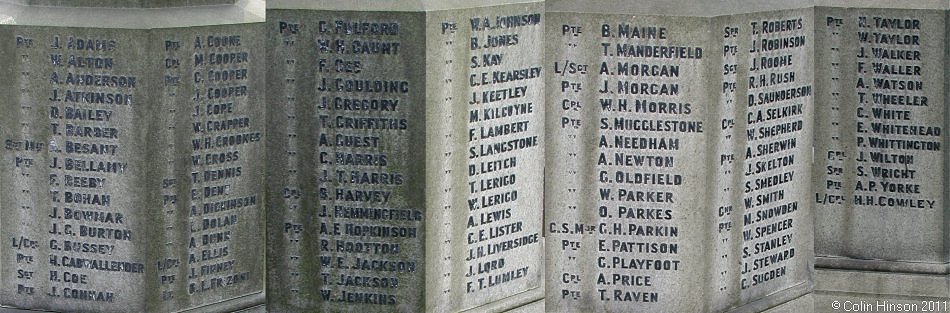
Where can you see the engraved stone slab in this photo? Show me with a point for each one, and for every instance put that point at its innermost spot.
(406, 157)
(880, 169)
(490, 81)
(881, 144)
(346, 202)
(131, 178)
(773, 108)
(678, 150)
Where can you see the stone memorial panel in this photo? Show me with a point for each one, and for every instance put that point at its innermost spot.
(131, 166)
(883, 120)
(347, 198)
(674, 146)
(405, 156)
(880, 172)
(679, 150)
(774, 94)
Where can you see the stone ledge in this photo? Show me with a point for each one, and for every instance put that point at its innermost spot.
(242, 11)
(882, 283)
(388, 5)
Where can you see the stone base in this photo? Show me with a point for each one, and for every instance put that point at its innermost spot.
(533, 307)
(803, 304)
(247, 303)
(521, 303)
(882, 283)
(12, 310)
(829, 262)
(790, 299)
(839, 290)
(252, 303)
(255, 309)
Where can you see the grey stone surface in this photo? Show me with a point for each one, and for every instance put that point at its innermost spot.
(725, 7)
(493, 81)
(803, 304)
(388, 5)
(388, 188)
(880, 159)
(678, 182)
(454, 137)
(308, 219)
(12, 310)
(883, 4)
(881, 239)
(255, 309)
(131, 174)
(839, 290)
(676, 7)
(242, 11)
(126, 3)
(881, 283)
(533, 307)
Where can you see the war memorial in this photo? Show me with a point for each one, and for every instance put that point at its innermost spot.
(462, 156)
